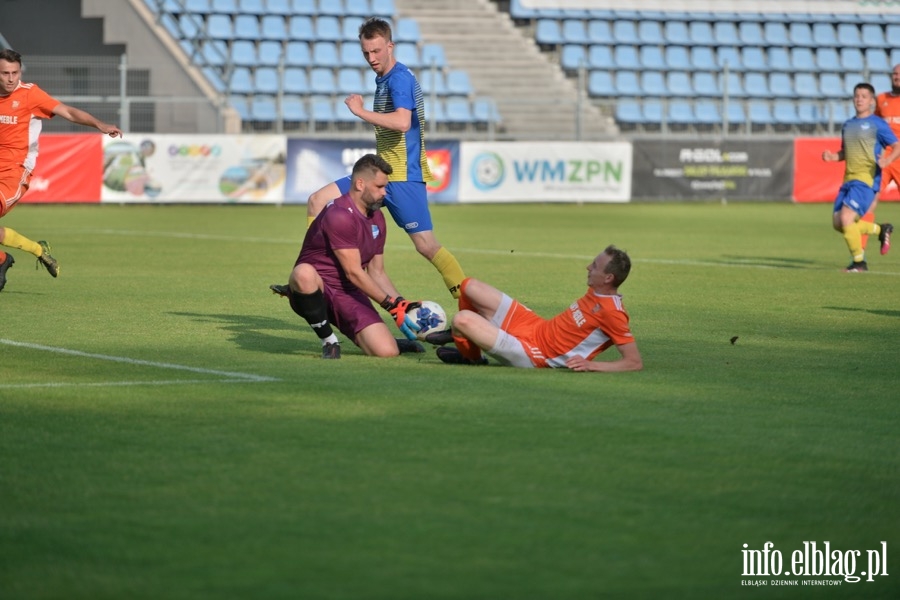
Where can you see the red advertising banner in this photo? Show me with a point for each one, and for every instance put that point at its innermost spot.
(818, 181)
(69, 169)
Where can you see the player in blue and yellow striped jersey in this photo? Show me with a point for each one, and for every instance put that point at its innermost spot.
(398, 116)
(864, 139)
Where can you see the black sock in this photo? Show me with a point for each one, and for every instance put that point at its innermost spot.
(313, 309)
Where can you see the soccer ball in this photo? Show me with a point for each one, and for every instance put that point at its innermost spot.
(430, 317)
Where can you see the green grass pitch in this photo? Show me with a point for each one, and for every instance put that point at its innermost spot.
(168, 430)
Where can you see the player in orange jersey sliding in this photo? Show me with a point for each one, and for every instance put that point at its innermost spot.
(490, 321)
(22, 106)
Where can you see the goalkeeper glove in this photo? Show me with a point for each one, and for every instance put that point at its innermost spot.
(398, 308)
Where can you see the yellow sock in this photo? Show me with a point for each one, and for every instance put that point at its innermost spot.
(868, 228)
(853, 237)
(309, 221)
(13, 239)
(449, 268)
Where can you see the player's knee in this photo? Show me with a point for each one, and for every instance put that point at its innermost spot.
(464, 320)
(304, 279)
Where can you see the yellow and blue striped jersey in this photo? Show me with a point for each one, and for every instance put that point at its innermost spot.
(404, 151)
(863, 141)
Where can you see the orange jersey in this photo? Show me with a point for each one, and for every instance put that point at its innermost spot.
(20, 125)
(586, 328)
(887, 106)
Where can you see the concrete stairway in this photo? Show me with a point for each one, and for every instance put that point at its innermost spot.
(535, 99)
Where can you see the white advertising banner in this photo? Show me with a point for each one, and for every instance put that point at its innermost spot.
(545, 172)
(194, 168)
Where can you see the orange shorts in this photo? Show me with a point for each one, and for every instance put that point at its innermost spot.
(13, 185)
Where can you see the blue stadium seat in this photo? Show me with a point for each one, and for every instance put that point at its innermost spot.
(737, 118)
(215, 79)
(321, 80)
(809, 114)
(831, 85)
(300, 27)
(881, 82)
(434, 111)
(850, 81)
(775, 33)
(681, 112)
(273, 27)
(350, 28)
(678, 58)
(600, 84)
(781, 85)
(852, 59)
(800, 34)
(224, 6)
(725, 33)
(732, 85)
(352, 56)
(652, 57)
(485, 110)
(626, 83)
(297, 54)
(754, 59)
(705, 84)
(573, 57)
(214, 52)
(751, 33)
(676, 32)
(760, 113)
(599, 32)
(433, 81)
(625, 32)
(873, 36)
(266, 80)
(242, 105)
(806, 85)
(295, 81)
(358, 8)
(458, 83)
(828, 59)
(350, 81)
(407, 30)
(706, 112)
(703, 58)
(304, 7)
(459, 111)
(824, 34)
(293, 109)
(679, 83)
(334, 8)
(600, 57)
(701, 33)
(836, 113)
(322, 109)
(629, 112)
(803, 60)
(243, 53)
(405, 52)
(848, 36)
(328, 29)
(877, 60)
(784, 112)
(518, 11)
(652, 111)
(757, 85)
(892, 32)
(278, 7)
(202, 7)
(653, 83)
(547, 32)
(246, 27)
(241, 81)
(626, 57)
(262, 108)
(778, 59)
(219, 27)
(650, 33)
(383, 8)
(433, 55)
(730, 56)
(325, 54)
(574, 32)
(252, 7)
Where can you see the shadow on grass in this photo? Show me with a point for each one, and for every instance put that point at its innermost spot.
(250, 332)
(881, 313)
(776, 262)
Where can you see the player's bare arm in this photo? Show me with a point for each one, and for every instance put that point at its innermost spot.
(829, 156)
(399, 120)
(631, 361)
(84, 118)
(351, 263)
(887, 158)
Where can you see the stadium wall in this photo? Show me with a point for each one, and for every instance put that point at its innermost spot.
(173, 168)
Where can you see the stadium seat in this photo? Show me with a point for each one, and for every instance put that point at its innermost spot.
(824, 34)
(827, 60)
(678, 58)
(383, 8)
(625, 32)
(215, 79)
(850, 81)
(626, 57)
(300, 28)
(881, 82)
(600, 57)
(680, 113)
(650, 33)
(547, 32)
(803, 60)
(350, 29)
(706, 112)
(836, 113)
(433, 55)
(325, 54)
(652, 57)
(243, 53)
(458, 84)
(252, 7)
(303, 7)
(653, 83)
(573, 32)
(262, 108)
(784, 112)
(266, 80)
(321, 80)
(725, 33)
(358, 8)
(778, 59)
(278, 7)
(626, 83)
(214, 52)
(295, 81)
(297, 54)
(751, 33)
(599, 32)
(703, 58)
(781, 85)
(757, 85)
(293, 109)
(334, 8)
(877, 60)
(201, 7)
(432, 82)
(892, 32)
(806, 85)
(809, 114)
(629, 112)
(652, 112)
(246, 27)
(800, 34)
(729, 56)
(737, 118)
(219, 27)
(241, 81)
(705, 84)
(831, 86)
(434, 111)
(328, 29)
(459, 111)
(573, 57)
(873, 36)
(775, 33)
(321, 110)
(242, 105)
(405, 52)
(852, 59)
(407, 30)
(679, 84)
(701, 33)
(350, 81)
(273, 27)
(600, 84)
(754, 59)
(485, 110)
(224, 6)
(760, 113)
(676, 33)
(352, 56)
(848, 36)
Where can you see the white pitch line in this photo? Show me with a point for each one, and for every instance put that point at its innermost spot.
(229, 376)
(5, 386)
